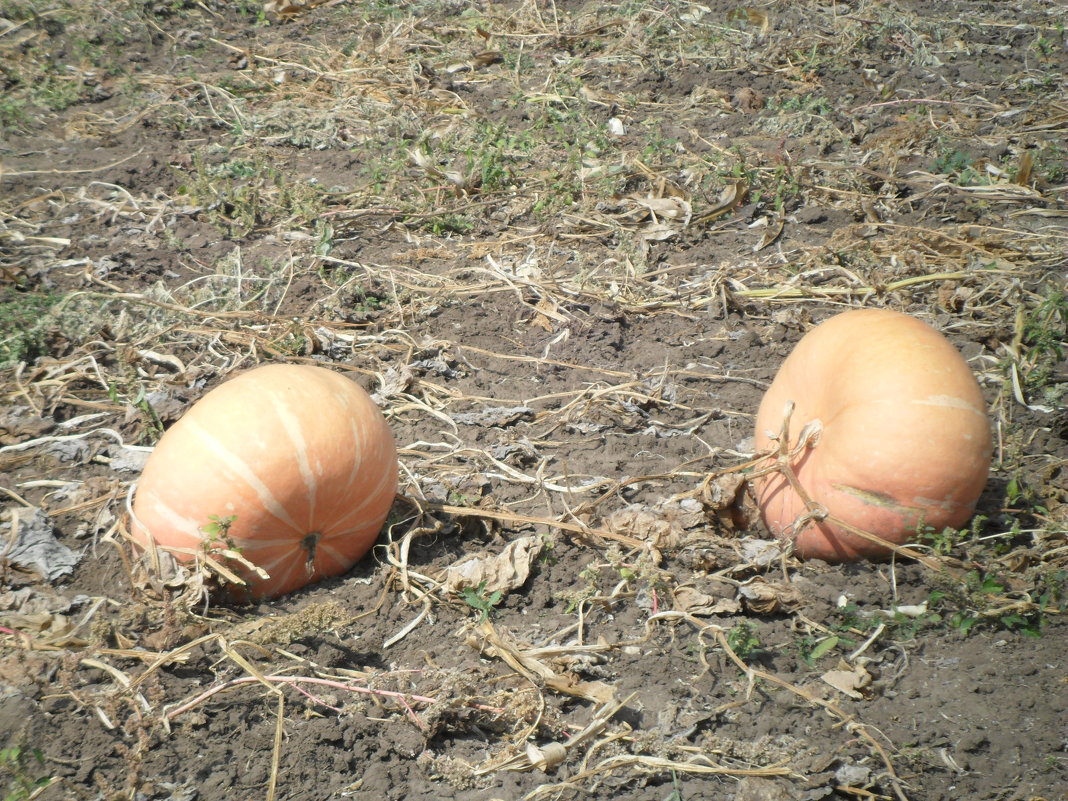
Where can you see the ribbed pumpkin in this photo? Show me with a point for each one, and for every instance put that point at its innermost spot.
(905, 441)
(299, 457)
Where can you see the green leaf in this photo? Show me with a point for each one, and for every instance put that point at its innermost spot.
(823, 648)
(993, 586)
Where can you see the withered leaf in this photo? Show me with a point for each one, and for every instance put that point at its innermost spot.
(486, 58)
(500, 416)
(393, 382)
(722, 491)
(848, 680)
(1023, 169)
(732, 196)
(764, 597)
(773, 226)
(497, 642)
(596, 691)
(691, 600)
(648, 524)
(504, 572)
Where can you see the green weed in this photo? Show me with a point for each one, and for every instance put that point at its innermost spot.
(948, 540)
(13, 113)
(951, 161)
(23, 325)
(1043, 346)
(449, 224)
(18, 764)
(979, 600)
(676, 789)
(1051, 162)
(743, 640)
(812, 649)
(481, 601)
(245, 193)
(217, 533)
(153, 428)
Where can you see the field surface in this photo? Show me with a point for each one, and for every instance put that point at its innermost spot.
(566, 246)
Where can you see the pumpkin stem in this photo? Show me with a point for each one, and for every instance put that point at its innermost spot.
(310, 540)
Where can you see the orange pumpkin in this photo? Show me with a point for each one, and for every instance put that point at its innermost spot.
(905, 439)
(293, 465)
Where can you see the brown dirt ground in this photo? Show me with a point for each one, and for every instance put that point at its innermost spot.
(561, 220)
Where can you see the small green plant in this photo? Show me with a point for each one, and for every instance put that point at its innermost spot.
(951, 161)
(23, 325)
(1021, 494)
(948, 540)
(13, 113)
(743, 640)
(813, 649)
(808, 103)
(242, 194)
(217, 532)
(676, 788)
(1042, 346)
(548, 556)
(591, 584)
(979, 599)
(17, 762)
(449, 224)
(1051, 162)
(481, 601)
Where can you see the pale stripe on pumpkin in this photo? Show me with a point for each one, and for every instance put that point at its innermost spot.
(374, 496)
(176, 520)
(357, 463)
(291, 425)
(243, 472)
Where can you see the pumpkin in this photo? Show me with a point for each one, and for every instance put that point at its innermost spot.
(294, 466)
(905, 440)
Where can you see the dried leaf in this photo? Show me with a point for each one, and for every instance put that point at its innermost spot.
(423, 161)
(764, 597)
(693, 601)
(1023, 169)
(545, 313)
(732, 196)
(393, 382)
(722, 491)
(772, 231)
(548, 757)
(497, 642)
(20, 423)
(665, 208)
(172, 363)
(127, 459)
(760, 552)
(508, 570)
(486, 58)
(35, 545)
(657, 232)
(289, 8)
(28, 601)
(752, 16)
(848, 680)
(648, 524)
(41, 615)
(500, 416)
(596, 691)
